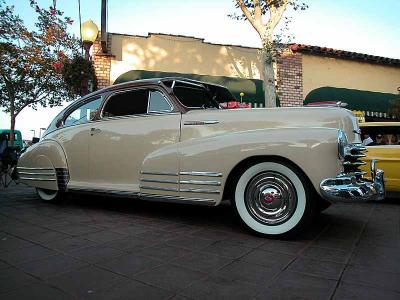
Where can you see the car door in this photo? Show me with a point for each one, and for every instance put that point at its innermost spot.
(73, 135)
(135, 138)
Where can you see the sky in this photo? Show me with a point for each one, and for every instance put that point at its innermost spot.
(366, 26)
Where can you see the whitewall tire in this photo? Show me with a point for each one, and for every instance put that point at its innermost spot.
(48, 195)
(273, 198)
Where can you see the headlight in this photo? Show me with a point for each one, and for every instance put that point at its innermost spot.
(342, 144)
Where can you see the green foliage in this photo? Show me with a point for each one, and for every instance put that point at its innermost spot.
(265, 7)
(78, 73)
(278, 43)
(31, 60)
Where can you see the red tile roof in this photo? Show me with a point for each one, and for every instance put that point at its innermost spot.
(344, 54)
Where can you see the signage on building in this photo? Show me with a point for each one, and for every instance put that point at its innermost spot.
(360, 115)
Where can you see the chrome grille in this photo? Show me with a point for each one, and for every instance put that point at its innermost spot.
(352, 162)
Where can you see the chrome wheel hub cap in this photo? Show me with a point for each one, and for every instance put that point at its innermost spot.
(270, 198)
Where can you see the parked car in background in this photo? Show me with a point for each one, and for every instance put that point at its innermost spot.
(18, 144)
(382, 140)
(169, 140)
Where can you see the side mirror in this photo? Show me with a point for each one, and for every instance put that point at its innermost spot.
(35, 140)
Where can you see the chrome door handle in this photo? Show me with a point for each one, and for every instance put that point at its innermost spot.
(94, 130)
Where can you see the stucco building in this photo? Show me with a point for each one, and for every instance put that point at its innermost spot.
(304, 73)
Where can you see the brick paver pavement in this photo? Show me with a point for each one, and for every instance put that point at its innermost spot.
(109, 248)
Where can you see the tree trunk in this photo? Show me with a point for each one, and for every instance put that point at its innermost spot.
(12, 129)
(269, 83)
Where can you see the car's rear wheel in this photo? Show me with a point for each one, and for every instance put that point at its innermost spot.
(274, 198)
(48, 195)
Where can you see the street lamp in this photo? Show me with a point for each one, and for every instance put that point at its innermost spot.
(40, 132)
(241, 96)
(89, 31)
(34, 132)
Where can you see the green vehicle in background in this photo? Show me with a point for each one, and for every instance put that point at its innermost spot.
(18, 144)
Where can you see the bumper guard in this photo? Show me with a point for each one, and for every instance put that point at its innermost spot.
(352, 188)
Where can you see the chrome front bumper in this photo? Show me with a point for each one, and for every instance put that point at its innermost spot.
(351, 188)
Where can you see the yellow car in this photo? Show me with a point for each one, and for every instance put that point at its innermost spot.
(382, 140)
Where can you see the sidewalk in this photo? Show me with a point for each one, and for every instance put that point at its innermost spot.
(110, 248)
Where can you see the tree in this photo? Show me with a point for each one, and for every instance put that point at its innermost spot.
(31, 61)
(256, 12)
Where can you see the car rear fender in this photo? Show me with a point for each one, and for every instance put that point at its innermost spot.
(44, 165)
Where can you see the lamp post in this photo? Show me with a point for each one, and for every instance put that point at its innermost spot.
(241, 96)
(40, 132)
(34, 132)
(89, 31)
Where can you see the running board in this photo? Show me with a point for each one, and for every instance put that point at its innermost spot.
(145, 196)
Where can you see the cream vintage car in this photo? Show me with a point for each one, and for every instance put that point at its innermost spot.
(169, 140)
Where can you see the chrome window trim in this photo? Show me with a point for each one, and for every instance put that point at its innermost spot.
(101, 117)
(136, 116)
(70, 111)
(171, 107)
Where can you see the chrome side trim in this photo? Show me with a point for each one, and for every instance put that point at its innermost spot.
(26, 168)
(158, 188)
(158, 173)
(145, 196)
(37, 179)
(164, 198)
(203, 191)
(159, 180)
(201, 122)
(201, 182)
(102, 191)
(34, 173)
(195, 173)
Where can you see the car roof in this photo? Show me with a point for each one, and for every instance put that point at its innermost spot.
(378, 124)
(132, 83)
(9, 130)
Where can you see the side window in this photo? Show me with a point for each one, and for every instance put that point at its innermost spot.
(84, 113)
(194, 97)
(127, 103)
(380, 135)
(158, 103)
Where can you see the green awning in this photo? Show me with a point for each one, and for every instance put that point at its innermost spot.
(367, 101)
(252, 88)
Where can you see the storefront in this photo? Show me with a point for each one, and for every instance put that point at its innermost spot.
(369, 84)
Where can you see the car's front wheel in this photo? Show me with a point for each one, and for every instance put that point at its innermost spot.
(48, 195)
(274, 198)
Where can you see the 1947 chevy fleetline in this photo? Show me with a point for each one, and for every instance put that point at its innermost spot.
(169, 140)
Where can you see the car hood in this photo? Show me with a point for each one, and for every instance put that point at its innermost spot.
(268, 118)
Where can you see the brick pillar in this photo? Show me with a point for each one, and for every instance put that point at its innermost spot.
(290, 79)
(102, 62)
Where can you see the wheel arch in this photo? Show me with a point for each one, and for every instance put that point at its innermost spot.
(238, 169)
